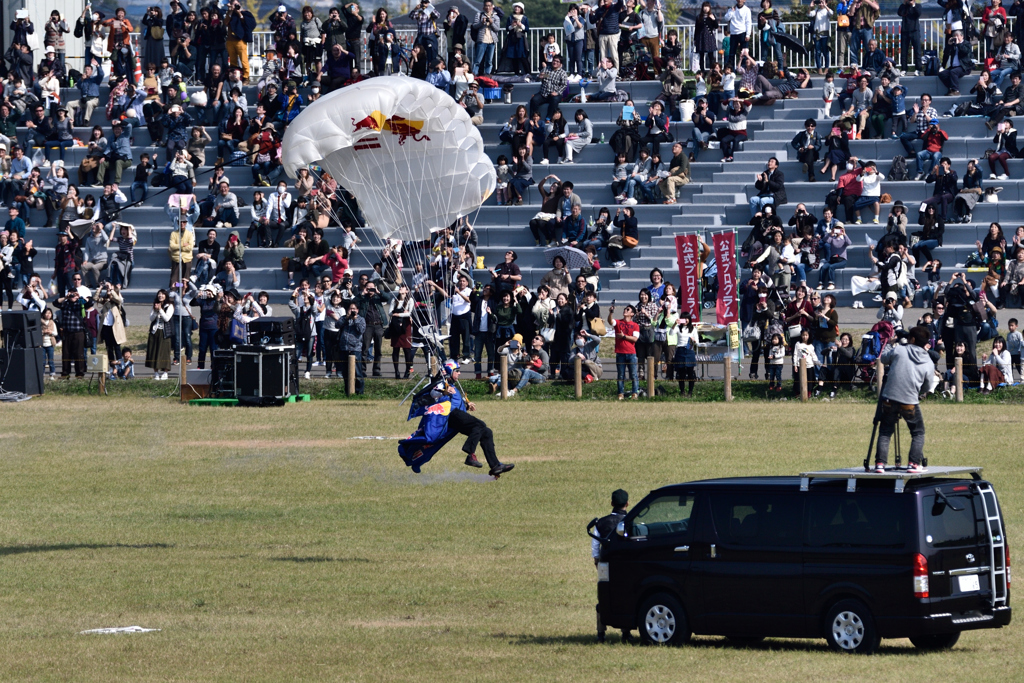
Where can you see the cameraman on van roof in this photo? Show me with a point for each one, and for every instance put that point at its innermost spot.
(909, 367)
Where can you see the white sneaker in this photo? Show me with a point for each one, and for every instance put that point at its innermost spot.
(629, 201)
(511, 393)
(620, 264)
(1002, 176)
(858, 304)
(544, 161)
(220, 224)
(306, 375)
(991, 176)
(876, 297)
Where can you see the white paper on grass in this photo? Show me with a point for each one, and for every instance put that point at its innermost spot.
(118, 629)
(406, 150)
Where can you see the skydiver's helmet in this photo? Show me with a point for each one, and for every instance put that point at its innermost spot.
(449, 367)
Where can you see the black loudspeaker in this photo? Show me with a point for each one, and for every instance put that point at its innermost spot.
(272, 332)
(265, 374)
(22, 370)
(222, 375)
(21, 329)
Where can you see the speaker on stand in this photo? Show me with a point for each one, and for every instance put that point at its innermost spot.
(22, 360)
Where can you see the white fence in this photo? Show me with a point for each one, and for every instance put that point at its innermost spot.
(887, 32)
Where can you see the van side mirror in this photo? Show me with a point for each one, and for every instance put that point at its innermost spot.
(620, 529)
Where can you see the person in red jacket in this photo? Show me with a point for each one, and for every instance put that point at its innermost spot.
(336, 260)
(934, 138)
(627, 333)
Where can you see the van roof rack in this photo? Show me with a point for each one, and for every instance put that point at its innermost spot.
(900, 476)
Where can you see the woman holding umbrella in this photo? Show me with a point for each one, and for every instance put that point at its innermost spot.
(558, 279)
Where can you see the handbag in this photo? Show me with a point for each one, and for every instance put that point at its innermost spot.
(195, 323)
(238, 334)
(843, 21)
(646, 335)
(548, 333)
(156, 32)
(793, 332)
(629, 242)
(597, 326)
(285, 262)
(751, 333)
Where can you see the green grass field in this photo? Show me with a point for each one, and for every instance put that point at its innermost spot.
(268, 545)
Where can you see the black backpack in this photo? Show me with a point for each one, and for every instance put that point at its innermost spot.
(898, 171)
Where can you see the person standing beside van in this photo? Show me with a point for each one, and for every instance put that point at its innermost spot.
(909, 367)
(604, 528)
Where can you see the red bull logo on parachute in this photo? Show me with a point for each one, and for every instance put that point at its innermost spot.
(403, 128)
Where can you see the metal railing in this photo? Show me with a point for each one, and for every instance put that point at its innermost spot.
(886, 32)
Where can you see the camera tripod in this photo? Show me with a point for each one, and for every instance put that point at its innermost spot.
(896, 442)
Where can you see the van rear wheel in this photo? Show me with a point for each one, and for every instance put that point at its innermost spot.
(662, 621)
(849, 627)
(939, 641)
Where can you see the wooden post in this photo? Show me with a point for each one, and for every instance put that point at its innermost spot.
(350, 379)
(651, 376)
(958, 368)
(577, 363)
(727, 365)
(184, 376)
(103, 386)
(802, 377)
(503, 369)
(879, 375)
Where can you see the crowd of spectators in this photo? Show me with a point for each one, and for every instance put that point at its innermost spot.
(341, 313)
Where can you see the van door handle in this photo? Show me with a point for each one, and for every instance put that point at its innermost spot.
(713, 551)
(683, 549)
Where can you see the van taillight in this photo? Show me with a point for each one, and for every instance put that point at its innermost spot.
(1006, 546)
(920, 576)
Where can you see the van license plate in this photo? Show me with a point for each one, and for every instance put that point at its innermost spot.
(969, 583)
(602, 572)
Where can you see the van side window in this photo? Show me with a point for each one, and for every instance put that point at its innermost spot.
(856, 522)
(746, 519)
(664, 516)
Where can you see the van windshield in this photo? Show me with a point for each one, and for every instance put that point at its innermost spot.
(946, 527)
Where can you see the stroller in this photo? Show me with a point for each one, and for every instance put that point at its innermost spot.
(871, 345)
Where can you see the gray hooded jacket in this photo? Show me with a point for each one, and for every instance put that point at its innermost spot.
(908, 369)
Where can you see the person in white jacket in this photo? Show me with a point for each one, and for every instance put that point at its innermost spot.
(740, 27)
(804, 350)
(872, 181)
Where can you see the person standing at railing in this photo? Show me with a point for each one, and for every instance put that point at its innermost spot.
(575, 41)
(517, 52)
(241, 24)
(768, 20)
(862, 20)
(606, 19)
(119, 44)
(426, 16)
(354, 32)
(740, 28)
(485, 36)
(910, 33)
(590, 39)
(994, 21)
(455, 26)
(820, 26)
(704, 42)
(1017, 10)
(653, 23)
(957, 61)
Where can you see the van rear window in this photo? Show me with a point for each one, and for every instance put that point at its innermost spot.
(856, 522)
(945, 527)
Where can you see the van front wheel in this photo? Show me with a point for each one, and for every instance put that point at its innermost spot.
(662, 621)
(941, 641)
(849, 627)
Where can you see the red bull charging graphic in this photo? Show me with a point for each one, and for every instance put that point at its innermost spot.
(405, 129)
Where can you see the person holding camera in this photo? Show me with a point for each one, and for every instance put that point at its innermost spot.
(771, 188)
(484, 31)
(240, 24)
(957, 61)
(835, 244)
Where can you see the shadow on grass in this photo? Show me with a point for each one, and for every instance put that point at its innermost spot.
(22, 549)
(704, 643)
(317, 558)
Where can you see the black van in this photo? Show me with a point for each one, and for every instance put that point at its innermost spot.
(847, 555)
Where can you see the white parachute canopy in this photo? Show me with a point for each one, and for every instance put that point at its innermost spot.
(406, 150)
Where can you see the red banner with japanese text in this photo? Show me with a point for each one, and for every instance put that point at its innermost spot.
(688, 254)
(727, 306)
